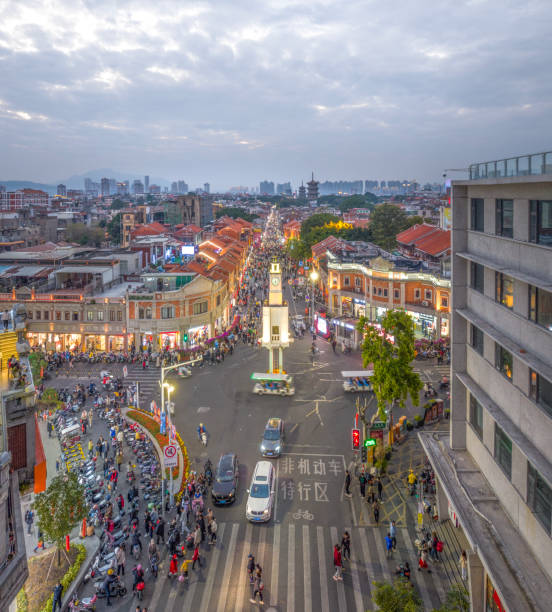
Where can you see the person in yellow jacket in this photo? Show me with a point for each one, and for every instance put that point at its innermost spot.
(184, 570)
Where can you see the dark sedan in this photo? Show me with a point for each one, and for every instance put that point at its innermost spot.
(225, 485)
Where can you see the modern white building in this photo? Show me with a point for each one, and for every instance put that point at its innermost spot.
(494, 468)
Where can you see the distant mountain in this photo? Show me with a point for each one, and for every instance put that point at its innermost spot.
(77, 180)
(14, 185)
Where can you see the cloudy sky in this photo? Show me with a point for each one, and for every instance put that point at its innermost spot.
(235, 91)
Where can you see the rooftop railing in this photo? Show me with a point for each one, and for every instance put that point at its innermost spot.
(535, 164)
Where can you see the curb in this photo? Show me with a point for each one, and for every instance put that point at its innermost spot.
(90, 555)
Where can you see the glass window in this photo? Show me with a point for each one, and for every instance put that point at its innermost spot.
(540, 222)
(477, 277)
(167, 312)
(46, 315)
(504, 290)
(30, 314)
(200, 307)
(476, 415)
(75, 316)
(503, 451)
(427, 294)
(346, 281)
(100, 315)
(119, 315)
(140, 313)
(148, 313)
(540, 390)
(90, 315)
(374, 290)
(477, 339)
(417, 294)
(218, 300)
(357, 281)
(379, 290)
(396, 294)
(477, 215)
(112, 315)
(385, 293)
(539, 497)
(540, 306)
(505, 218)
(444, 302)
(58, 315)
(67, 315)
(38, 315)
(504, 361)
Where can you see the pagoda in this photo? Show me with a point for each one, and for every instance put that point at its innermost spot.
(312, 190)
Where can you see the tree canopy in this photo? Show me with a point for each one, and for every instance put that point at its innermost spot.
(316, 220)
(358, 201)
(458, 600)
(60, 508)
(400, 596)
(114, 228)
(388, 220)
(235, 212)
(394, 378)
(85, 235)
(117, 204)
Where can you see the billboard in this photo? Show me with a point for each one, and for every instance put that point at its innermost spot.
(187, 249)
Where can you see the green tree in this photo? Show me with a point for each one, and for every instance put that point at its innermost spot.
(397, 597)
(117, 204)
(235, 212)
(114, 228)
(60, 509)
(298, 250)
(458, 600)
(386, 221)
(357, 201)
(394, 378)
(316, 220)
(84, 235)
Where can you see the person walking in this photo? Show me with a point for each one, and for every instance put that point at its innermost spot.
(393, 534)
(251, 568)
(464, 565)
(362, 482)
(160, 530)
(380, 488)
(5, 319)
(29, 519)
(213, 532)
(375, 508)
(58, 590)
(196, 558)
(389, 545)
(337, 563)
(120, 556)
(347, 483)
(346, 546)
(258, 587)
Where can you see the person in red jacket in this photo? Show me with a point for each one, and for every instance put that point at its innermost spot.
(337, 563)
(173, 568)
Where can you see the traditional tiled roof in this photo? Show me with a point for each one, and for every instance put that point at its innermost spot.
(435, 244)
(414, 233)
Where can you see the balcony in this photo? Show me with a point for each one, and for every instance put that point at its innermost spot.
(536, 164)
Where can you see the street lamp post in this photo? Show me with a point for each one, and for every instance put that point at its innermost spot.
(314, 277)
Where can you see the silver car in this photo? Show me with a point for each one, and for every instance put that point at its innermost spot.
(273, 438)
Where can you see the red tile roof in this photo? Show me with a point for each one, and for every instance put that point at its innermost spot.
(437, 243)
(331, 243)
(414, 233)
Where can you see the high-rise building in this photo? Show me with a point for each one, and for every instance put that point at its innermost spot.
(182, 187)
(122, 188)
(146, 183)
(266, 188)
(112, 186)
(206, 188)
(174, 187)
(61, 190)
(138, 187)
(283, 188)
(494, 467)
(312, 190)
(370, 186)
(155, 189)
(104, 187)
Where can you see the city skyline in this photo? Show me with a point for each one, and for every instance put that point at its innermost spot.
(234, 94)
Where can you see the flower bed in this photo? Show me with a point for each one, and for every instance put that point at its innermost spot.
(153, 427)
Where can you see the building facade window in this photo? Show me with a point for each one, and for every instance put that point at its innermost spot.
(477, 339)
(505, 218)
(75, 316)
(346, 281)
(540, 222)
(218, 300)
(200, 307)
(38, 315)
(385, 293)
(428, 294)
(67, 315)
(90, 315)
(540, 307)
(148, 313)
(140, 313)
(539, 497)
(477, 277)
(379, 291)
(444, 302)
(100, 315)
(477, 215)
(504, 290)
(119, 315)
(58, 315)
(476, 416)
(540, 390)
(112, 315)
(30, 314)
(504, 361)
(358, 282)
(46, 315)
(417, 294)
(396, 294)
(167, 312)
(503, 451)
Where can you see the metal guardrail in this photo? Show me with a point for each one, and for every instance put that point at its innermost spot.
(535, 164)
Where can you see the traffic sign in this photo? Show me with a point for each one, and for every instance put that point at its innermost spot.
(378, 425)
(369, 442)
(170, 456)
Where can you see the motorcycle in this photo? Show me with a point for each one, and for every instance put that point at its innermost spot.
(116, 589)
(86, 603)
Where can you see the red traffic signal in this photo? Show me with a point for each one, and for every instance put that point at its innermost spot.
(355, 438)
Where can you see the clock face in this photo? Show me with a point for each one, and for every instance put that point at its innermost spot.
(275, 281)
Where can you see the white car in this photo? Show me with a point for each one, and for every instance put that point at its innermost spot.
(261, 494)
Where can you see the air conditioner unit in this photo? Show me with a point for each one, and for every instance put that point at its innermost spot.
(425, 303)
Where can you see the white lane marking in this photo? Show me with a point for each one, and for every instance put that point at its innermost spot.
(322, 569)
(367, 563)
(243, 572)
(382, 556)
(211, 574)
(356, 581)
(275, 567)
(291, 570)
(307, 570)
(342, 603)
(227, 570)
(420, 577)
(276, 494)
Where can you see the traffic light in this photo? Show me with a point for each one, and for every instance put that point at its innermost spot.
(364, 454)
(355, 436)
(185, 337)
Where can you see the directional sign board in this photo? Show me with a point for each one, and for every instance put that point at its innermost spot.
(170, 456)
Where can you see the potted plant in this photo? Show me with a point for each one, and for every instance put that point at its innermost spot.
(409, 426)
(418, 420)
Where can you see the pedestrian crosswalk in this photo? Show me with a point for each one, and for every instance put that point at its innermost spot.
(297, 562)
(147, 383)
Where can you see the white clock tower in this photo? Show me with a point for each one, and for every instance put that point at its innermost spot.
(275, 321)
